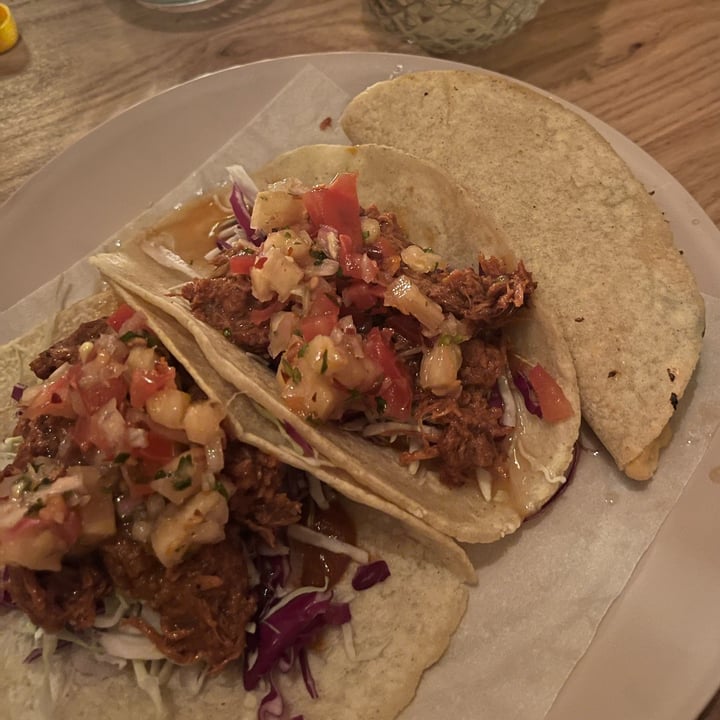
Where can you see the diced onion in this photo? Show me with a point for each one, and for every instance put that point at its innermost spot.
(214, 455)
(326, 268)
(141, 530)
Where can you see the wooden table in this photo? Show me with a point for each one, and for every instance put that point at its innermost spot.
(647, 67)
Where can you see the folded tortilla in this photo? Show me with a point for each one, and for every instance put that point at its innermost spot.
(425, 596)
(434, 212)
(600, 249)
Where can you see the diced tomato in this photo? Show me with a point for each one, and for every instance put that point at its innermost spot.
(396, 389)
(553, 403)
(242, 264)
(337, 206)
(158, 450)
(317, 325)
(120, 317)
(356, 264)
(362, 296)
(260, 315)
(96, 395)
(321, 318)
(144, 384)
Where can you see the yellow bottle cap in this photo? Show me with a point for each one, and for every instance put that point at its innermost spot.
(8, 29)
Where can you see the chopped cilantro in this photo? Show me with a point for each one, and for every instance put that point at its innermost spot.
(291, 371)
(221, 489)
(36, 507)
(24, 484)
(324, 365)
(381, 405)
(365, 234)
(450, 339)
(120, 458)
(185, 463)
(227, 333)
(150, 340)
(303, 349)
(319, 256)
(182, 483)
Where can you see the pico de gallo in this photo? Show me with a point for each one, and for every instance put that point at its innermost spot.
(367, 329)
(132, 522)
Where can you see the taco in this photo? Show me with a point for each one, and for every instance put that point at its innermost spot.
(600, 249)
(352, 328)
(138, 526)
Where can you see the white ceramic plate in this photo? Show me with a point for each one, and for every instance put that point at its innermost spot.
(657, 653)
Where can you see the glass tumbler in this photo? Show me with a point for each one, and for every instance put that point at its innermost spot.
(447, 26)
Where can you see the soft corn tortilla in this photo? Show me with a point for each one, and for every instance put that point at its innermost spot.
(435, 212)
(425, 596)
(599, 247)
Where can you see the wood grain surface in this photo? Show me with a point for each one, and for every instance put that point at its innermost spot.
(649, 68)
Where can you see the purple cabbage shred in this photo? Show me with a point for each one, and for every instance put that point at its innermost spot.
(271, 706)
(526, 390)
(299, 439)
(371, 574)
(294, 625)
(239, 206)
(306, 674)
